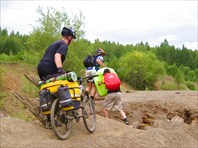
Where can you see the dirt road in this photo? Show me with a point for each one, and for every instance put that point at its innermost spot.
(157, 119)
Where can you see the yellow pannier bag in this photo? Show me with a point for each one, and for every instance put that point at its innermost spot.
(53, 86)
(74, 90)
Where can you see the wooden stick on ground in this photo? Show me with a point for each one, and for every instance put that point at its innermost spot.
(33, 80)
(34, 110)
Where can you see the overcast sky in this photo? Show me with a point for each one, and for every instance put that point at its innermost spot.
(126, 22)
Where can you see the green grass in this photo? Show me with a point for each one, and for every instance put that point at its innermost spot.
(22, 115)
(30, 89)
(2, 101)
(169, 86)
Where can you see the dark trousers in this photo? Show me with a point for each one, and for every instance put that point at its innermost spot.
(42, 74)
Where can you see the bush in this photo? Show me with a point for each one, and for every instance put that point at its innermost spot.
(190, 85)
(140, 70)
(169, 86)
(182, 87)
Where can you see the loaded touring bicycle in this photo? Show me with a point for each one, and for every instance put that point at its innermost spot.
(63, 102)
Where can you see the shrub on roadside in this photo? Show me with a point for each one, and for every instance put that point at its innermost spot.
(169, 86)
(190, 85)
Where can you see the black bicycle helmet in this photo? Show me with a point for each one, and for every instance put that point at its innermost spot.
(100, 51)
(68, 32)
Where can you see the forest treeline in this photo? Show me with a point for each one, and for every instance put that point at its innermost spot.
(138, 65)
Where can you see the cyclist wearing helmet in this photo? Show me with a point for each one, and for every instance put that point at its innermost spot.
(52, 61)
(91, 71)
(99, 58)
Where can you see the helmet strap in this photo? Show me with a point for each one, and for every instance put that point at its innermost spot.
(69, 40)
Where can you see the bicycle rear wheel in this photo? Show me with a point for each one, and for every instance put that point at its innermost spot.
(89, 114)
(60, 124)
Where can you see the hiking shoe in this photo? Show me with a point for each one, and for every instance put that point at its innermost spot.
(126, 121)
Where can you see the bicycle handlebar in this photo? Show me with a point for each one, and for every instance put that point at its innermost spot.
(89, 77)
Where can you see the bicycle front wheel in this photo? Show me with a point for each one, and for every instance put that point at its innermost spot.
(89, 114)
(60, 124)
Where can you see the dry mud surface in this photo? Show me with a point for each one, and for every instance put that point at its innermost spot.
(157, 119)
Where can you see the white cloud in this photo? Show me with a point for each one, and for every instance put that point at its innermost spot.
(120, 21)
(191, 45)
(169, 38)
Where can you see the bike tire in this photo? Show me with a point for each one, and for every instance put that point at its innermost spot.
(89, 113)
(60, 125)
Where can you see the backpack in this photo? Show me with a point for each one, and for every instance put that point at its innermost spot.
(112, 82)
(89, 61)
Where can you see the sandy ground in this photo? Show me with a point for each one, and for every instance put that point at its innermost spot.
(157, 119)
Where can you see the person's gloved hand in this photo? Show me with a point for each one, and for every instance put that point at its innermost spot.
(61, 70)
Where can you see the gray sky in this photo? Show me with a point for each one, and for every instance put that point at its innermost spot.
(126, 22)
